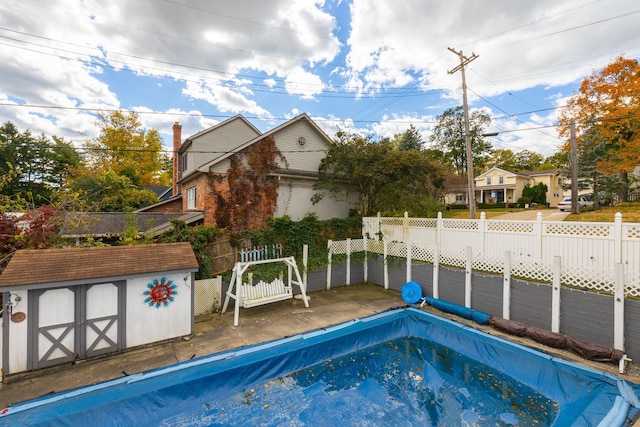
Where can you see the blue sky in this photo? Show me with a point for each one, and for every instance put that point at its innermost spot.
(375, 67)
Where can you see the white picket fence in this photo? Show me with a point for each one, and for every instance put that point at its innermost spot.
(589, 251)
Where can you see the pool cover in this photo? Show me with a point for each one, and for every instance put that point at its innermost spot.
(403, 366)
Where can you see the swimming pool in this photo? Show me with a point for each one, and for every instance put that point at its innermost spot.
(404, 366)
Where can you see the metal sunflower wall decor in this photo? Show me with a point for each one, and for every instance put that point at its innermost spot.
(160, 293)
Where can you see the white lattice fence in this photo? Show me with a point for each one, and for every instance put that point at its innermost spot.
(207, 295)
(532, 269)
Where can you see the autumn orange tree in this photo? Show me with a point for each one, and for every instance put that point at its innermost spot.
(125, 147)
(606, 113)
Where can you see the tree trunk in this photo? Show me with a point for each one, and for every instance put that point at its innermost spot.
(624, 190)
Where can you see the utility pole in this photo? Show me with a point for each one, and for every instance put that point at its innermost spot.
(472, 188)
(574, 169)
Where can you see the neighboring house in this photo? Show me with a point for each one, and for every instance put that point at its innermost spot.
(108, 227)
(501, 186)
(232, 169)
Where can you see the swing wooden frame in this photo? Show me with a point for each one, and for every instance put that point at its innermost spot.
(248, 295)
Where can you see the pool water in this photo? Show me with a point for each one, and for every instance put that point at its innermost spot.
(406, 381)
(403, 367)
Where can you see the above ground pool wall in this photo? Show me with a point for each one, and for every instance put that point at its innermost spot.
(584, 315)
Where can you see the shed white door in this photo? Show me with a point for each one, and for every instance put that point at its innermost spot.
(100, 331)
(55, 327)
(76, 322)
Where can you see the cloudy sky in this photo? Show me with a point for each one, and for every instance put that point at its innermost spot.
(372, 66)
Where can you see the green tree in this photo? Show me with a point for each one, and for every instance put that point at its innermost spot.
(558, 160)
(503, 159)
(537, 193)
(109, 192)
(126, 148)
(411, 139)
(378, 172)
(526, 160)
(37, 166)
(449, 136)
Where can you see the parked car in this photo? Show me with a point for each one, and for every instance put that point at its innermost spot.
(566, 203)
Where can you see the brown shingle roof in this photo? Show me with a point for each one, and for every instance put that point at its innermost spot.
(38, 266)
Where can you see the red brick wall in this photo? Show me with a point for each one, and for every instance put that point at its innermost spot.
(169, 207)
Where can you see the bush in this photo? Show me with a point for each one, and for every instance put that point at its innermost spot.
(456, 206)
(491, 205)
(522, 201)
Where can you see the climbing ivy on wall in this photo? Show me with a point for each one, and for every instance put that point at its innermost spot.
(311, 231)
(251, 195)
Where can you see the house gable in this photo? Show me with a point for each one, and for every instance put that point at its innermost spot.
(214, 143)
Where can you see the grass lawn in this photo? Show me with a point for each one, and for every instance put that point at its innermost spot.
(630, 213)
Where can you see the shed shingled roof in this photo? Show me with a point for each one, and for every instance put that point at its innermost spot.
(39, 266)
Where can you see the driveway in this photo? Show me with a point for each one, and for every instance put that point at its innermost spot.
(550, 214)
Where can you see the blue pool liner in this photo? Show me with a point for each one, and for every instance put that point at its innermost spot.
(584, 396)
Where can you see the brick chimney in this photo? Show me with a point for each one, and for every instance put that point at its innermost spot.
(177, 142)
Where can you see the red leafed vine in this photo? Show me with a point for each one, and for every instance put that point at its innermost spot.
(252, 193)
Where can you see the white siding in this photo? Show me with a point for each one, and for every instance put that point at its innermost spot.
(147, 324)
(217, 142)
(294, 200)
(18, 334)
(303, 158)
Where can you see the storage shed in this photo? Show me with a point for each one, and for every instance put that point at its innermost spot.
(62, 305)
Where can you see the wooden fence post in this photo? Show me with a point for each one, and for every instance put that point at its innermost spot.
(467, 277)
(506, 287)
(329, 245)
(555, 294)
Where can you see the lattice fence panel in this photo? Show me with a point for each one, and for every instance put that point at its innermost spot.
(357, 245)
(579, 229)
(632, 284)
(600, 280)
(375, 246)
(533, 269)
(391, 221)
(397, 249)
(422, 253)
(632, 231)
(509, 226)
(339, 247)
(490, 263)
(207, 295)
(456, 224)
(423, 222)
(453, 258)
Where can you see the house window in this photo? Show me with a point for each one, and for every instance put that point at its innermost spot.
(559, 181)
(501, 180)
(191, 198)
(489, 180)
(184, 161)
(459, 198)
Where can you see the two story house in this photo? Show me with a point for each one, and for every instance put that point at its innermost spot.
(501, 186)
(237, 176)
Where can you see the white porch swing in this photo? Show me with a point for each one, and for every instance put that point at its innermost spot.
(248, 295)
